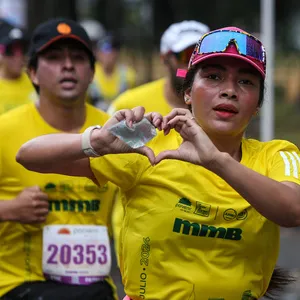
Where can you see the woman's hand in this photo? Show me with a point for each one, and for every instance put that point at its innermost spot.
(196, 146)
(105, 142)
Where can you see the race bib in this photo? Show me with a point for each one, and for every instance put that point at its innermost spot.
(76, 254)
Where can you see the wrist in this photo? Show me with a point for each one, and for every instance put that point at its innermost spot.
(86, 141)
(7, 211)
(218, 163)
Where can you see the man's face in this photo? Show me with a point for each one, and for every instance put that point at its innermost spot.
(13, 60)
(108, 59)
(176, 61)
(63, 72)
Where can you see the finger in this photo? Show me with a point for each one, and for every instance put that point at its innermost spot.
(169, 154)
(147, 152)
(156, 119)
(41, 219)
(117, 117)
(40, 196)
(127, 115)
(167, 129)
(181, 119)
(40, 200)
(178, 112)
(138, 113)
(42, 212)
(41, 204)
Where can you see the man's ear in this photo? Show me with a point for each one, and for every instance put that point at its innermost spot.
(32, 75)
(187, 96)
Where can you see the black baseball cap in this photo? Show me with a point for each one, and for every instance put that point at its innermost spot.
(10, 34)
(57, 29)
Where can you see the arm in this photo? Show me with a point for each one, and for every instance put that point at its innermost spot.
(62, 153)
(55, 153)
(277, 201)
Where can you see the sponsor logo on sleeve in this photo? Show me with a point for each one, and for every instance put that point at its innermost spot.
(202, 209)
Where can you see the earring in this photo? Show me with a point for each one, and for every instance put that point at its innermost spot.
(186, 98)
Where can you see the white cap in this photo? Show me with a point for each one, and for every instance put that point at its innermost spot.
(180, 36)
(94, 29)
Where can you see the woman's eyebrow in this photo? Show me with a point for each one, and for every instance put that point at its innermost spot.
(248, 71)
(215, 66)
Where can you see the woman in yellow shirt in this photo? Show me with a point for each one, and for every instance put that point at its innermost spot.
(202, 209)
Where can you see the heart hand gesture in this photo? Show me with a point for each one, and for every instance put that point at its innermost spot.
(196, 147)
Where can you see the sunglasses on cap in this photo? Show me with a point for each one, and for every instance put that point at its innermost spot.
(218, 41)
(185, 55)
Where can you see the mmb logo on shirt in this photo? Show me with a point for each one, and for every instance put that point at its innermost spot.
(195, 229)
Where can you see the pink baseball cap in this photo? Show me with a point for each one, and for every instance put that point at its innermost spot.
(230, 51)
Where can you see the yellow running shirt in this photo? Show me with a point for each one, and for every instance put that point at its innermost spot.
(73, 200)
(16, 92)
(107, 88)
(186, 233)
(150, 95)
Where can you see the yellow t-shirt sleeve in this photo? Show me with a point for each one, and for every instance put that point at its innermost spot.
(285, 165)
(123, 170)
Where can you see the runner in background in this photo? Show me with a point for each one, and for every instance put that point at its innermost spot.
(53, 230)
(176, 46)
(112, 77)
(15, 86)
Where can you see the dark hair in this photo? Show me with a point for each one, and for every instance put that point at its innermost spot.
(32, 64)
(190, 76)
(280, 279)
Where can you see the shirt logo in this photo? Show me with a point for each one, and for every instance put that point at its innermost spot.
(202, 209)
(64, 231)
(195, 229)
(63, 28)
(247, 295)
(184, 204)
(231, 214)
(291, 163)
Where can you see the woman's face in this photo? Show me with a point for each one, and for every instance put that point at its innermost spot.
(225, 95)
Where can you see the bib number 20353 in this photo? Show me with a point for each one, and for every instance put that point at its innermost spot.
(76, 254)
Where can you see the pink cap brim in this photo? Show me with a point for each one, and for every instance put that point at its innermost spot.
(201, 57)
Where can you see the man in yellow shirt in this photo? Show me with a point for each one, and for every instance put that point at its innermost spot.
(176, 46)
(15, 86)
(111, 77)
(53, 229)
